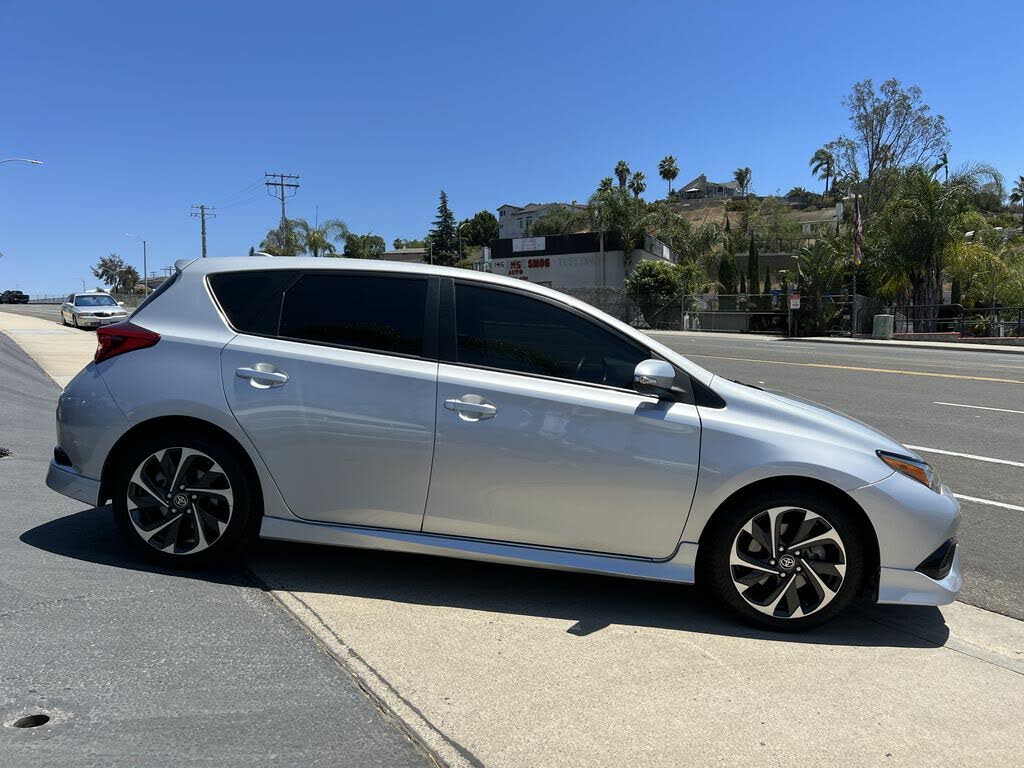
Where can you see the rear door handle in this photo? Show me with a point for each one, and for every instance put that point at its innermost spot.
(472, 407)
(262, 376)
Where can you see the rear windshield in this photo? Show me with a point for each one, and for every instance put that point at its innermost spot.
(95, 301)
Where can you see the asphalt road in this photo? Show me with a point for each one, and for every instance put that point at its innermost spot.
(917, 396)
(142, 667)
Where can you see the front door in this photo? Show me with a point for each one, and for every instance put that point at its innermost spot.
(340, 405)
(542, 440)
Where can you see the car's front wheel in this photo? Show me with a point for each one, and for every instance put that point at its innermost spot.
(787, 561)
(182, 499)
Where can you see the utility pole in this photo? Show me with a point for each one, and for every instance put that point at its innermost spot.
(202, 211)
(282, 186)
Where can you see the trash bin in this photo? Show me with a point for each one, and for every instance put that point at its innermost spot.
(882, 327)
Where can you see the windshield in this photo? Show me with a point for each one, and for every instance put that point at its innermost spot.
(95, 301)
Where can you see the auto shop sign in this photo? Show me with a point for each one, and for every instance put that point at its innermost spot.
(518, 267)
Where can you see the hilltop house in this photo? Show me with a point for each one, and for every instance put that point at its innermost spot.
(515, 220)
(702, 189)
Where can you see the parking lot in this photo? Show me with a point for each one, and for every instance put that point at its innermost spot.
(485, 664)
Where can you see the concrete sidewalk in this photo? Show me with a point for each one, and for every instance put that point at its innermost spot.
(507, 666)
(960, 347)
(60, 351)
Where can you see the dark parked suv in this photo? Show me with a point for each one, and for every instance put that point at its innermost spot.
(13, 297)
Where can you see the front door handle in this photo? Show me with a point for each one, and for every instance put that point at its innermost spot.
(471, 407)
(262, 376)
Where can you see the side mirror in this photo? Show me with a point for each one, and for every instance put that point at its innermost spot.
(120, 303)
(654, 377)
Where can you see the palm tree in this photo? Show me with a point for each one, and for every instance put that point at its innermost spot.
(637, 184)
(622, 171)
(668, 170)
(628, 219)
(606, 183)
(317, 240)
(942, 165)
(821, 267)
(742, 177)
(823, 166)
(1017, 196)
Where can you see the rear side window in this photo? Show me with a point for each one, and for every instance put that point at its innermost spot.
(252, 300)
(378, 313)
(512, 332)
(155, 294)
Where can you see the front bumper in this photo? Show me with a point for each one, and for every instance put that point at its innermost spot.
(91, 321)
(896, 585)
(68, 482)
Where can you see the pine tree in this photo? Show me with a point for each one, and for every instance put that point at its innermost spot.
(767, 280)
(443, 238)
(743, 284)
(727, 273)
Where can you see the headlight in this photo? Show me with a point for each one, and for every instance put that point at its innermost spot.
(915, 469)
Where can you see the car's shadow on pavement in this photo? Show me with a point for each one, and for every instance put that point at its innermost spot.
(590, 602)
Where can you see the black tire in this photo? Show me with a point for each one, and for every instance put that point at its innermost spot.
(241, 516)
(715, 574)
(74, 320)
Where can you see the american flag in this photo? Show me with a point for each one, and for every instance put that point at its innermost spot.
(858, 231)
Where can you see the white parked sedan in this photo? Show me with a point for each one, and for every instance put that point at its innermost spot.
(91, 310)
(449, 412)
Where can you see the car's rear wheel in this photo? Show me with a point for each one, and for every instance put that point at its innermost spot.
(182, 499)
(788, 561)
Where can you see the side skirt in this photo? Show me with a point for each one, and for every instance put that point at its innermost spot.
(679, 567)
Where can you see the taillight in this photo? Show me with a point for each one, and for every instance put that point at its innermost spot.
(113, 340)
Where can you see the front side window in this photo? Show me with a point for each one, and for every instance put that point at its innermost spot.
(95, 301)
(374, 312)
(512, 332)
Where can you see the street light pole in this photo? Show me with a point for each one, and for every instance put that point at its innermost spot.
(459, 231)
(145, 263)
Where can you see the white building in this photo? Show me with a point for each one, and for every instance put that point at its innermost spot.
(515, 220)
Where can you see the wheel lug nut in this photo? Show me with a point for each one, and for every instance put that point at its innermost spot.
(194, 496)
(771, 562)
(798, 569)
(782, 574)
(797, 553)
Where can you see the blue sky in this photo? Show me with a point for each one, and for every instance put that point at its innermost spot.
(140, 109)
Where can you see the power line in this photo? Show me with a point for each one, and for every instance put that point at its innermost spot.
(202, 211)
(281, 186)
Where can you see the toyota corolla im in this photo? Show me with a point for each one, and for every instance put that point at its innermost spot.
(449, 412)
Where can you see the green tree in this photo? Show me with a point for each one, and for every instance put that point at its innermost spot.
(728, 273)
(913, 235)
(318, 240)
(668, 170)
(638, 184)
(653, 283)
(283, 240)
(481, 229)
(823, 166)
(627, 219)
(1017, 195)
(892, 129)
(767, 287)
(118, 276)
(443, 239)
(753, 267)
(822, 267)
(560, 220)
(606, 183)
(398, 243)
(742, 177)
(368, 246)
(622, 172)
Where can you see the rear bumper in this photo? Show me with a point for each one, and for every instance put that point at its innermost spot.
(68, 482)
(896, 585)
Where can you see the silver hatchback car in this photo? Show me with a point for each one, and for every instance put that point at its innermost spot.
(442, 411)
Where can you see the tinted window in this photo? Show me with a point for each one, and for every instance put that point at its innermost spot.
(252, 300)
(380, 313)
(157, 291)
(506, 330)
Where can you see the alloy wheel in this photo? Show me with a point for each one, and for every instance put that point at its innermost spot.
(180, 501)
(787, 562)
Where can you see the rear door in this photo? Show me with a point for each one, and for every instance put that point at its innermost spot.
(541, 438)
(333, 376)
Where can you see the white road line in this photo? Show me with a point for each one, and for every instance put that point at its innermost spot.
(989, 459)
(979, 407)
(990, 503)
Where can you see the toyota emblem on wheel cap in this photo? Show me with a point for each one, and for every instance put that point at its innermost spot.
(787, 561)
